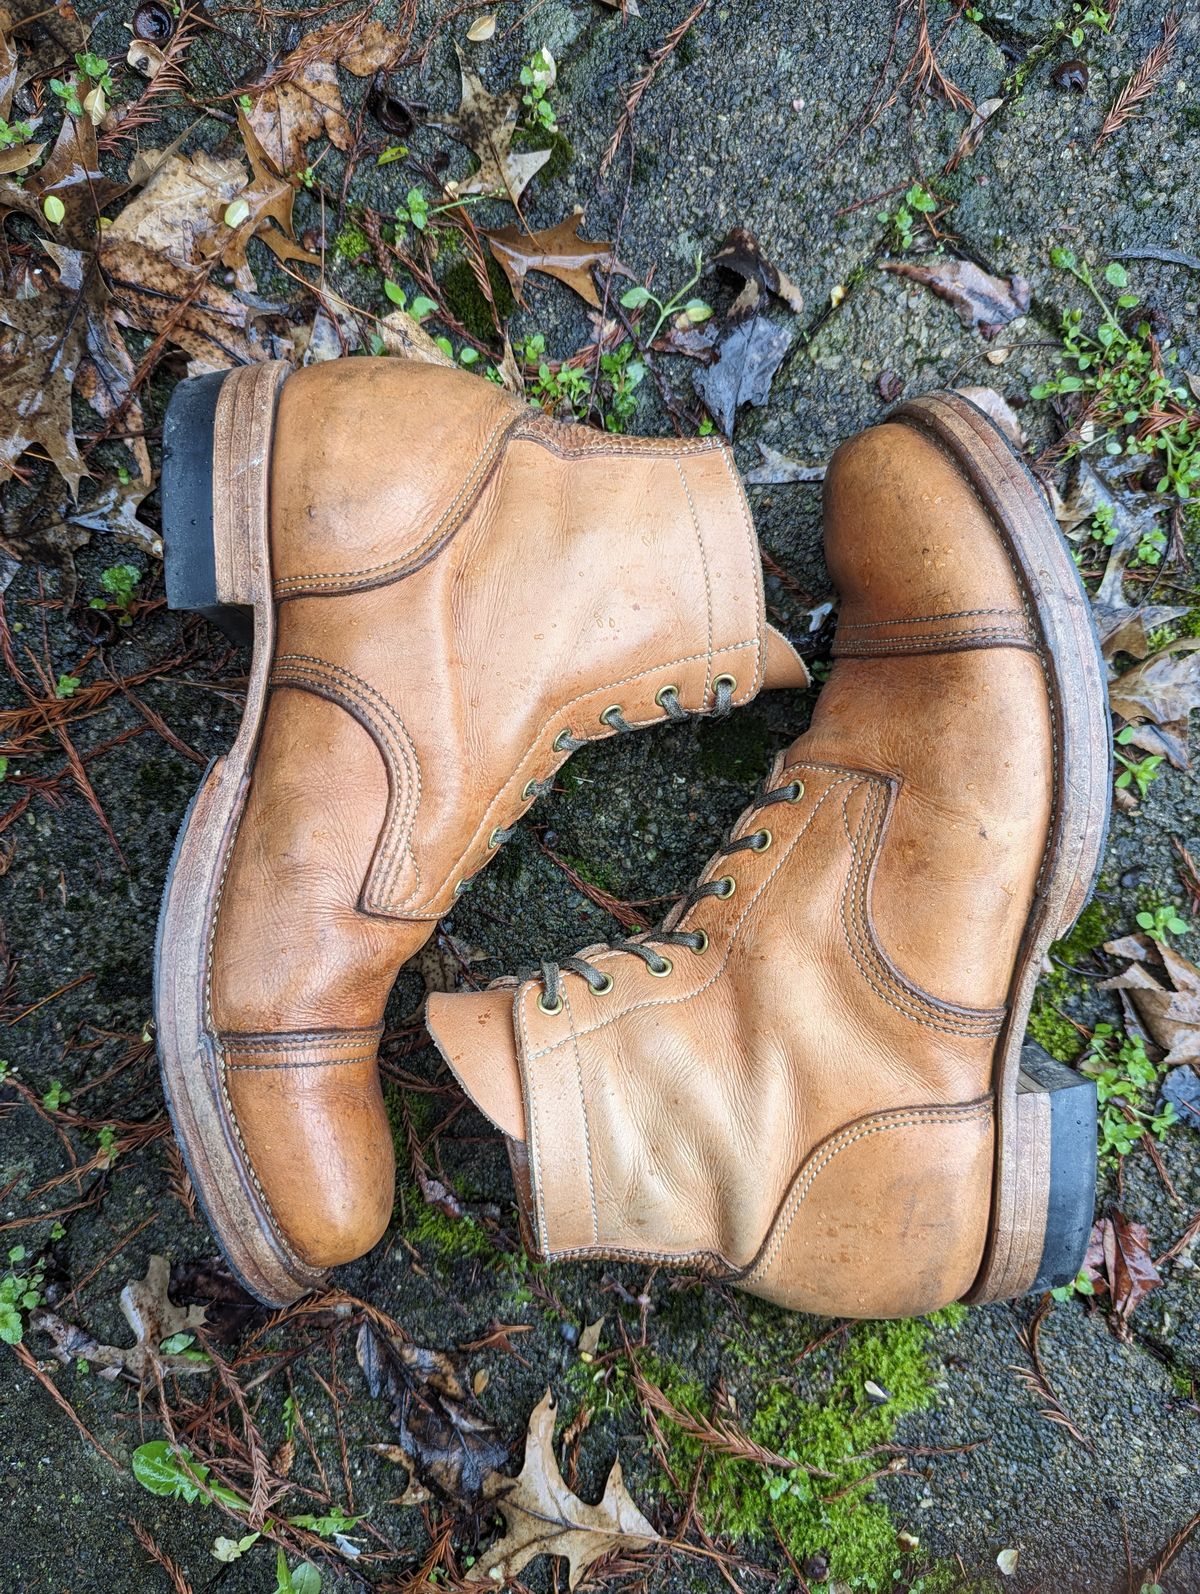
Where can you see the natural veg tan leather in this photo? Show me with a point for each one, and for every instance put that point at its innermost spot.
(459, 581)
(805, 1106)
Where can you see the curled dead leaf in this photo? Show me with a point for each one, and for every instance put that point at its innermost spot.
(981, 301)
(1170, 1013)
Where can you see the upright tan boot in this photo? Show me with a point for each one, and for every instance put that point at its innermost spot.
(810, 1082)
(450, 593)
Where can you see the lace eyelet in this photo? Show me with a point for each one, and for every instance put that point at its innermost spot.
(701, 944)
(561, 740)
(670, 690)
(726, 886)
(529, 791)
(604, 988)
(795, 791)
(547, 1008)
(613, 708)
(761, 840)
(725, 680)
(661, 973)
(494, 838)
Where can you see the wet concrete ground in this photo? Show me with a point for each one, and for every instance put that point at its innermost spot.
(752, 123)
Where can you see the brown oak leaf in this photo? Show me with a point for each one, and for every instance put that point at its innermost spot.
(301, 100)
(543, 1517)
(41, 345)
(152, 1316)
(556, 251)
(486, 124)
(70, 173)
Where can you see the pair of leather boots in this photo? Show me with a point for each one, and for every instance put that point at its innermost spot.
(810, 1082)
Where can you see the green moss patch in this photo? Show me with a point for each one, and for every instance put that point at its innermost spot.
(835, 1518)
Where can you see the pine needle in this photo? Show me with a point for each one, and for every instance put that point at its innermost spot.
(1143, 82)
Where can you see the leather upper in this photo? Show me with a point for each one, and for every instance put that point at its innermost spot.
(461, 584)
(805, 1106)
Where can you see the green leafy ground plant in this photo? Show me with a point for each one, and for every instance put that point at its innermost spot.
(1131, 402)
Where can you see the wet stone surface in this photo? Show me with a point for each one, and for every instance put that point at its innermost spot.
(757, 119)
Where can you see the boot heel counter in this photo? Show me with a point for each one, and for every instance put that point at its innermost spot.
(886, 1218)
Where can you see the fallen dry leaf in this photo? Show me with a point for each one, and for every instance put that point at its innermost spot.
(301, 98)
(482, 29)
(444, 1437)
(41, 345)
(179, 204)
(543, 1517)
(152, 1316)
(556, 251)
(486, 123)
(49, 36)
(1163, 689)
(749, 357)
(1118, 1260)
(778, 468)
(1170, 1013)
(589, 1340)
(268, 202)
(981, 301)
(997, 408)
(742, 254)
(71, 173)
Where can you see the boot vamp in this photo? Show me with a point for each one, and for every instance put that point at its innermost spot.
(672, 1115)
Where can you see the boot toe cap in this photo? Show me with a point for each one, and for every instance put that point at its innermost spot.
(318, 1140)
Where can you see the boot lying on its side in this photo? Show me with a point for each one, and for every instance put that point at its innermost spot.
(450, 593)
(810, 1082)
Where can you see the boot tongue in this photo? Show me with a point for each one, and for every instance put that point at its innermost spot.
(783, 666)
(474, 1033)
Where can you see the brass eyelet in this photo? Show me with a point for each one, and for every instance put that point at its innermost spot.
(725, 680)
(660, 974)
(494, 838)
(613, 708)
(529, 791)
(701, 946)
(761, 840)
(797, 791)
(603, 988)
(545, 1007)
(726, 886)
(670, 690)
(561, 740)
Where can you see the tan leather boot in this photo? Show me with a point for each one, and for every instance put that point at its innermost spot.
(450, 593)
(810, 1082)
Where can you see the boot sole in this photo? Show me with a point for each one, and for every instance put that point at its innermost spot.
(216, 551)
(1045, 1181)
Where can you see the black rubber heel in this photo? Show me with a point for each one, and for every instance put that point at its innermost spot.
(189, 562)
(1072, 1202)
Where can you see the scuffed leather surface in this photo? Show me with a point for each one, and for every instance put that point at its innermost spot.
(459, 581)
(857, 975)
